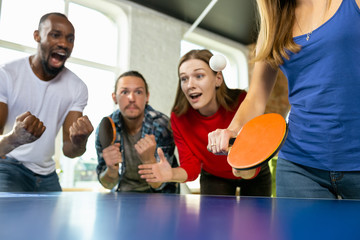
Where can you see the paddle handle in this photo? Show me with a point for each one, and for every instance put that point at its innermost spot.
(231, 141)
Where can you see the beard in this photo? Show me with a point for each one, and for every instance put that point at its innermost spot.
(133, 116)
(45, 63)
(50, 70)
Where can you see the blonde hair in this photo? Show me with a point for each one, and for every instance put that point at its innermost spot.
(275, 39)
(228, 98)
(276, 22)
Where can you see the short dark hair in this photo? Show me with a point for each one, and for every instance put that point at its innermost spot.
(133, 74)
(44, 17)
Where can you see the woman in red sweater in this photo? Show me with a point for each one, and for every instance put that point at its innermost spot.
(204, 103)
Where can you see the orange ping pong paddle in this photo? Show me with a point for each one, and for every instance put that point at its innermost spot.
(258, 141)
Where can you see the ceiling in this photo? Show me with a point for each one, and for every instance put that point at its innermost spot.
(232, 19)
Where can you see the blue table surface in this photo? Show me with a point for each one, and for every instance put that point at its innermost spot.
(88, 215)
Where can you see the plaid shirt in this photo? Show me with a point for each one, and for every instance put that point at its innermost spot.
(155, 123)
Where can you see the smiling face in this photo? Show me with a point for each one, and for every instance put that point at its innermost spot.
(131, 96)
(56, 41)
(198, 83)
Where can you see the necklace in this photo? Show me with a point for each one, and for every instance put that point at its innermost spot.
(312, 28)
(307, 34)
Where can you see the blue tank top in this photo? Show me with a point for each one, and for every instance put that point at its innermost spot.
(324, 93)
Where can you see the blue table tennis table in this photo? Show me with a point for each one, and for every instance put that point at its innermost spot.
(108, 216)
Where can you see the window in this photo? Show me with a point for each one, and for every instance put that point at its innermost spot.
(18, 22)
(94, 59)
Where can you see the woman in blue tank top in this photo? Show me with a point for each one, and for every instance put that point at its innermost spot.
(316, 45)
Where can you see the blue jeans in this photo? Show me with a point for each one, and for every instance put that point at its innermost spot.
(15, 177)
(295, 180)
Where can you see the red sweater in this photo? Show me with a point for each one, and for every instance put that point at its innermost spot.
(191, 138)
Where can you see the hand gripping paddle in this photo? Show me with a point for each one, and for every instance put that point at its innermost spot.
(258, 141)
(107, 132)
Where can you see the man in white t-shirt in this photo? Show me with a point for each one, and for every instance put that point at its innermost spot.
(38, 96)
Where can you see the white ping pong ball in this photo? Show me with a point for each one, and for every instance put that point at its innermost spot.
(217, 62)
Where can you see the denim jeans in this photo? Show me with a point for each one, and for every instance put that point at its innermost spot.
(295, 180)
(259, 186)
(15, 177)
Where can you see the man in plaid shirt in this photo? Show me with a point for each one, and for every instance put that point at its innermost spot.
(140, 130)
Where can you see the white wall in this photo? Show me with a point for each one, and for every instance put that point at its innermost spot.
(155, 51)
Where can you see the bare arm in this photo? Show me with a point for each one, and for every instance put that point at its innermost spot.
(109, 178)
(179, 175)
(162, 171)
(146, 147)
(27, 129)
(254, 104)
(112, 157)
(3, 116)
(76, 130)
(262, 83)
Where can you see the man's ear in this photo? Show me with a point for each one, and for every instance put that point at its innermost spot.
(37, 37)
(114, 98)
(147, 98)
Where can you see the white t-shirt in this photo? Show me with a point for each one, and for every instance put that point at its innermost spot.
(50, 101)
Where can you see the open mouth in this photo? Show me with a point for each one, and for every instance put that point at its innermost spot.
(195, 96)
(58, 58)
